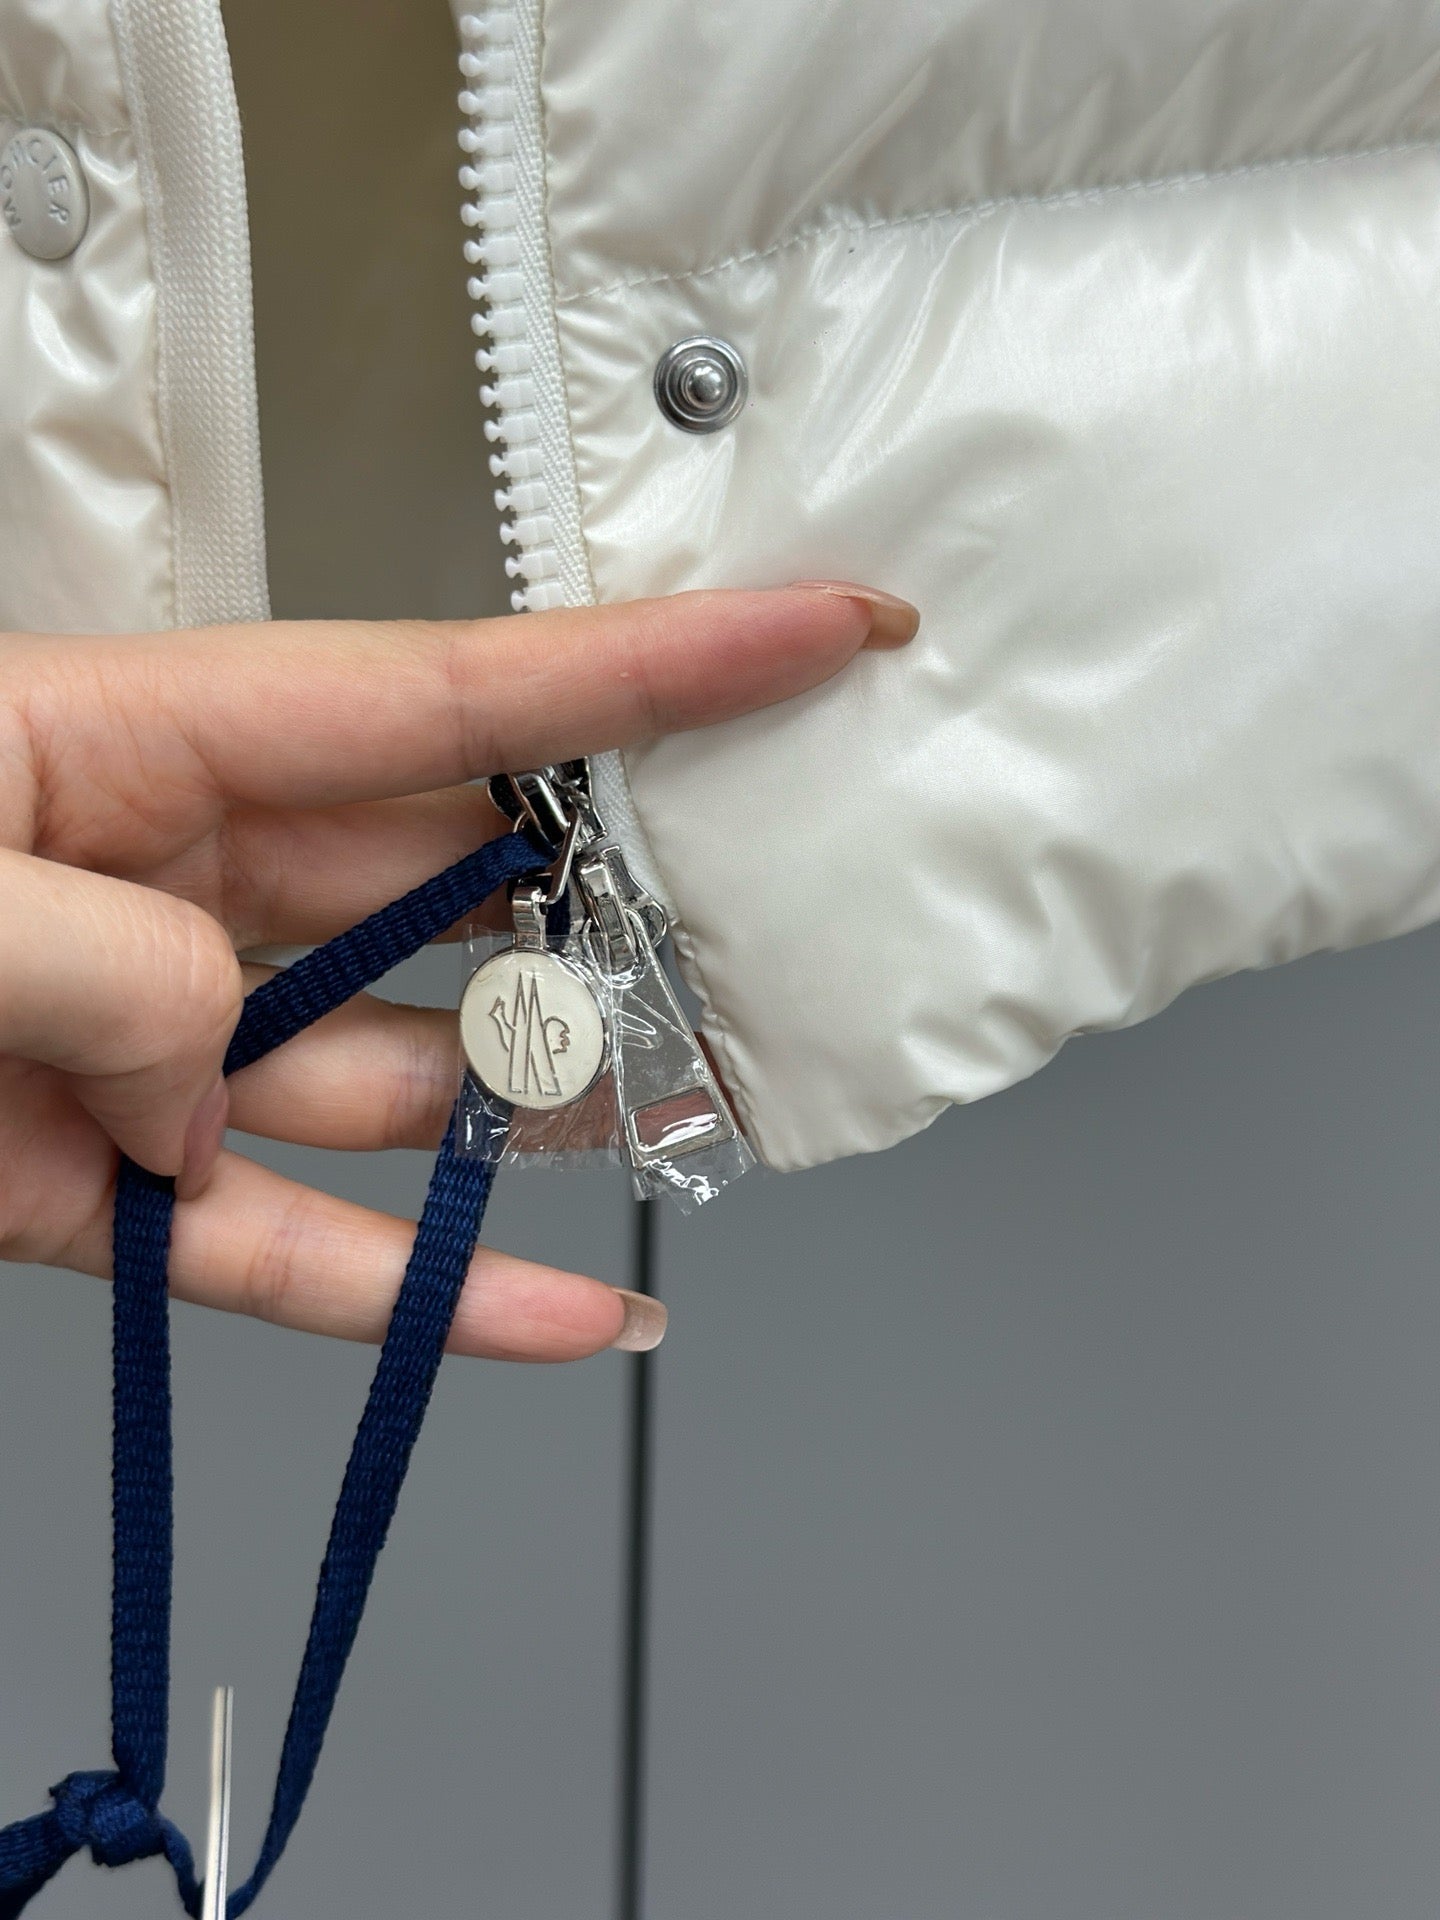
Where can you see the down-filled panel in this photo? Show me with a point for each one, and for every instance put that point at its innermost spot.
(682, 135)
(1161, 467)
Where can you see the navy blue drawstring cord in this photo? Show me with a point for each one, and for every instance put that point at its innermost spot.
(116, 1813)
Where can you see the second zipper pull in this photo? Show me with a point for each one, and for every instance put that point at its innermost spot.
(680, 1135)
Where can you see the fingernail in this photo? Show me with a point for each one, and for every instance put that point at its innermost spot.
(893, 621)
(644, 1325)
(203, 1138)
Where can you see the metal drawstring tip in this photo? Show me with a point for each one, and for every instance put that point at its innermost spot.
(217, 1831)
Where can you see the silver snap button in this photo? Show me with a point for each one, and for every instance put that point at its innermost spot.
(43, 197)
(700, 384)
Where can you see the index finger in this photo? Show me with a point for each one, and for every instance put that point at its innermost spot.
(313, 713)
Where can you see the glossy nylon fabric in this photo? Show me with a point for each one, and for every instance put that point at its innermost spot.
(129, 456)
(85, 511)
(1107, 334)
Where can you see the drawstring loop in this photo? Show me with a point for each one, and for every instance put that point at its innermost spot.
(116, 1813)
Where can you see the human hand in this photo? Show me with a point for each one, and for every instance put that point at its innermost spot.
(167, 799)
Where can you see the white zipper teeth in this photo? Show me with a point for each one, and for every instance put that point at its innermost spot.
(495, 251)
(503, 176)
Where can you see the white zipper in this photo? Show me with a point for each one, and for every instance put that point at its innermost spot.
(678, 1132)
(503, 177)
(508, 251)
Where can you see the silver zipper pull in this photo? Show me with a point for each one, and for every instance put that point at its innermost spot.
(680, 1134)
(539, 1027)
(532, 1025)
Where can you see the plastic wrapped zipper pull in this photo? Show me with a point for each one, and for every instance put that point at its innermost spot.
(577, 1050)
(680, 1135)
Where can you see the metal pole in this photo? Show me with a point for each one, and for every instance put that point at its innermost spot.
(635, 1654)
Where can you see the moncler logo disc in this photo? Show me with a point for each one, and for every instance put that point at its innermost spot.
(532, 1029)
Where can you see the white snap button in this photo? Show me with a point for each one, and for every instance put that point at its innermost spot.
(43, 197)
(700, 384)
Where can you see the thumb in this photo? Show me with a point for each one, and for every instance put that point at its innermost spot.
(130, 993)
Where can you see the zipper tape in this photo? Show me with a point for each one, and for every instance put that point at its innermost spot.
(513, 291)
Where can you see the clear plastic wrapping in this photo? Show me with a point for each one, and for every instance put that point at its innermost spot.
(496, 1122)
(679, 1134)
(571, 1060)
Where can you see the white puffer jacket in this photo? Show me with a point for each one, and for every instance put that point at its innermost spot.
(1108, 331)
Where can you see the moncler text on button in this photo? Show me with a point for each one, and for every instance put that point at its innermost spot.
(43, 197)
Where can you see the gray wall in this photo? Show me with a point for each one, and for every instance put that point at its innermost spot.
(1047, 1510)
